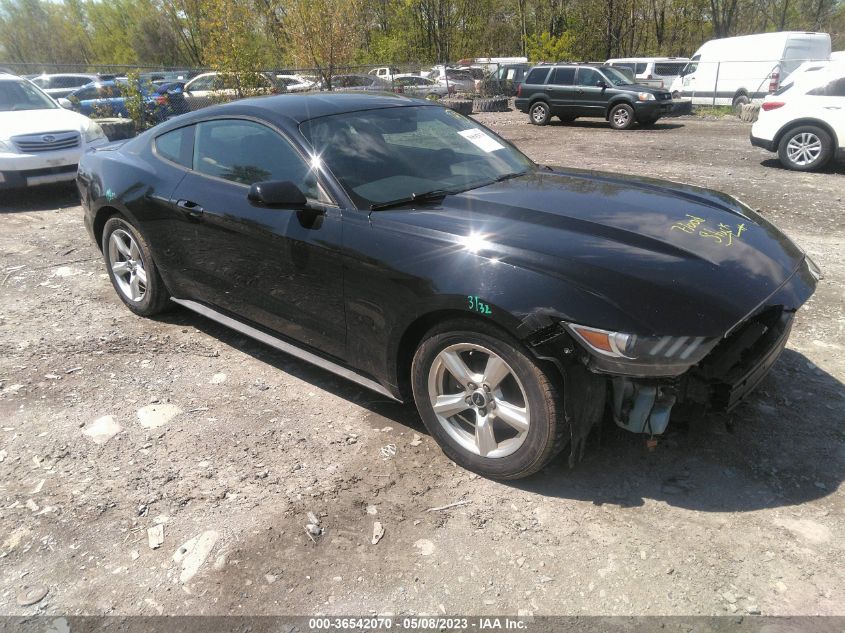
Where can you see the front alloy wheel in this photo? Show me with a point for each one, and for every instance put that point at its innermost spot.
(622, 117)
(486, 412)
(487, 401)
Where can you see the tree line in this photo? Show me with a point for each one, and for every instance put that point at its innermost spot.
(249, 34)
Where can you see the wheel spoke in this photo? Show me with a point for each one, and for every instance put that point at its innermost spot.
(457, 367)
(142, 276)
(485, 439)
(121, 268)
(133, 250)
(513, 416)
(449, 405)
(121, 245)
(134, 289)
(495, 371)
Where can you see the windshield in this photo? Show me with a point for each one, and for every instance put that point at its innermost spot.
(616, 78)
(22, 95)
(390, 154)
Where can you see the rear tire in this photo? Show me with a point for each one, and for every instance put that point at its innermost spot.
(621, 117)
(567, 119)
(739, 101)
(539, 113)
(500, 413)
(131, 269)
(805, 148)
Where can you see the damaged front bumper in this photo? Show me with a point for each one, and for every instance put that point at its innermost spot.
(716, 385)
(642, 401)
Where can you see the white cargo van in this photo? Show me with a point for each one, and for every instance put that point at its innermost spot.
(662, 71)
(735, 70)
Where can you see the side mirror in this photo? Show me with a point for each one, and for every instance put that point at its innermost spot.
(65, 103)
(600, 84)
(277, 193)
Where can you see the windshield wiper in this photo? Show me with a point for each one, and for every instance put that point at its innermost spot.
(435, 194)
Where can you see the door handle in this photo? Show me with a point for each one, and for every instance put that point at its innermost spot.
(579, 91)
(192, 209)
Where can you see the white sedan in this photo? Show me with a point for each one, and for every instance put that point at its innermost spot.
(804, 121)
(416, 86)
(40, 142)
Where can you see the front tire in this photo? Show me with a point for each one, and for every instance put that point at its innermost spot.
(805, 148)
(131, 268)
(493, 408)
(621, 117)
(539, 113)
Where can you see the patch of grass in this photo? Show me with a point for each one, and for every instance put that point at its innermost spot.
(714, 111)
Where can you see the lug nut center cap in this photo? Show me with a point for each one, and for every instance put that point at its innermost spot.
(479, 399)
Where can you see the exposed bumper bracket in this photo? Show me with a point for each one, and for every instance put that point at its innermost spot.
(641, 407)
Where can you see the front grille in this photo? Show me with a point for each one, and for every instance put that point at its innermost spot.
(664, 96)
(47, 142)
(740, 362)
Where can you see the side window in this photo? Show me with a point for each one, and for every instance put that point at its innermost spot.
(641, 67)
(201, 83)
(247, 152)
(177, 146)
(835, 88)
(563, 76)
(588, 77)
(85, 94)
(537, 76)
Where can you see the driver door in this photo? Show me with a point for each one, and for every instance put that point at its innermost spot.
(277, 267)
(590, 99)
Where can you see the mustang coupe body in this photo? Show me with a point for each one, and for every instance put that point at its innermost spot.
(408, 248)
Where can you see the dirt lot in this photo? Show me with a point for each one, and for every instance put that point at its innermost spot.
(722, 518)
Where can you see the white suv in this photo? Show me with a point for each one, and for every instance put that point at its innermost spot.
(804, 121)
(40, 142)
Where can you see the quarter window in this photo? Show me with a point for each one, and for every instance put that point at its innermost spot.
(835, 88)
(246, 152)
(177, 146)
(537, 76)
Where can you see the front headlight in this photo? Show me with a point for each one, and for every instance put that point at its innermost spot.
(645, 96)
(6, 146)
(94, 133)
(634, 354)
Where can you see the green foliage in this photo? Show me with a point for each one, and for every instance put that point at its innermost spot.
(546, 47)
(239, 35)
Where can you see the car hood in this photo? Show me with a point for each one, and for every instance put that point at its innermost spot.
(665, 258)
(20, 122)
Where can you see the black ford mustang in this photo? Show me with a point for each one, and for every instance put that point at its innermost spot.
(413, 251)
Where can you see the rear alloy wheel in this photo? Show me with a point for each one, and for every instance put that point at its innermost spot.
(131, 268)
(621, 117)
(805, 148)
(540, 113)
(489, 405)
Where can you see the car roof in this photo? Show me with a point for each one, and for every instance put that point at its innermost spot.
(299, 107)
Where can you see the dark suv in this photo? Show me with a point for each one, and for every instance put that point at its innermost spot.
(569, 91)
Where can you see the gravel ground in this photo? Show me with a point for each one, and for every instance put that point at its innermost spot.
(228, 445)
